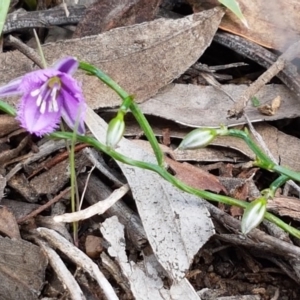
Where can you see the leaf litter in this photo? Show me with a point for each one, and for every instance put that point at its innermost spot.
(175, 225)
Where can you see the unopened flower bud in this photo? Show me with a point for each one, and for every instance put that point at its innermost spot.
(115, 130)
(198, 138)
(254, 214)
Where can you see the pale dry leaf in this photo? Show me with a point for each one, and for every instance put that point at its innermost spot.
(177, 224)
(143, 276)
(141, 58)
(204, 106)
(113, 231)
(272, 24)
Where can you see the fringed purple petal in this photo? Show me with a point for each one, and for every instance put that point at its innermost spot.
(74, 106)
(36, 79)
(33, 121)
(12, 88)
(67, 65)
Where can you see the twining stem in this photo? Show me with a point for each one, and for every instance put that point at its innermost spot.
(128, 103)
(170, 178)
(262, 160)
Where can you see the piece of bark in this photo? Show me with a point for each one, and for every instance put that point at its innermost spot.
(22, 269)
(8, 223)
(141, 58)
(104, 15)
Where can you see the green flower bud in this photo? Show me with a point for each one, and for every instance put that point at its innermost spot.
(201, 137)
(115, 130)
(254, 214)
(198, 138)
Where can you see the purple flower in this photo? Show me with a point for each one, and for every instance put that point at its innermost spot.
(48, 95)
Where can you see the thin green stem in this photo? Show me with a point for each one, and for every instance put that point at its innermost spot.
(263, 159)
(281, 180)
(170, 178)
(285, 171)
(104, 78)
(128, 103)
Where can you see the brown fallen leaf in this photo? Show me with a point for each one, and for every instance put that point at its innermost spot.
(273, 24)
(195, 177)
(107, 14)
(141, 58)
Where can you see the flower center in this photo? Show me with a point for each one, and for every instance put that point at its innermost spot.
(47, 95)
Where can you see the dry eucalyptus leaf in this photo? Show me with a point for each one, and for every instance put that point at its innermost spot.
(141, 58)
(107, 14)
(195, 176)
(143, 276)
(204, 106)
(177, 224)
(273, 24)
(22, 269)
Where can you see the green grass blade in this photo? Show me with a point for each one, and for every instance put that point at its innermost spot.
(234, 6)
(3, 12)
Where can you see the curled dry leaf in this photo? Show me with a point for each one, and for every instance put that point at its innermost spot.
(270, 109)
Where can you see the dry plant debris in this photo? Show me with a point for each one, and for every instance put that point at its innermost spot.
(150, 240)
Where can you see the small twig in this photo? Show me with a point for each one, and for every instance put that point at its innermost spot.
(43, 18)
(43, 207)
(79, 258)
(238, 109)
(62, 272)
(98, 208)
(27, 51)
(269, 243)
(289, 75)
(85, 187)
(273, 70)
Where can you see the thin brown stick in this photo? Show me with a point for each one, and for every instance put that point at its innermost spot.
(45, 206)
(238, 108)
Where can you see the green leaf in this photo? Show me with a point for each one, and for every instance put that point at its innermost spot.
(7, 108)
(3, 12)
(234, 6)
